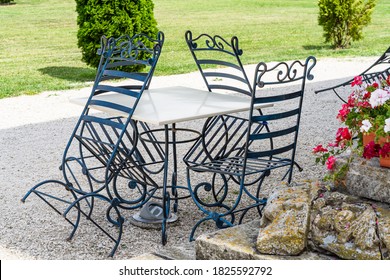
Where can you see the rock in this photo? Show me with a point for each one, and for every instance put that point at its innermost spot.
(384, 230)
(345, 226)
(366, 178)
(239, 243)
(285, 222)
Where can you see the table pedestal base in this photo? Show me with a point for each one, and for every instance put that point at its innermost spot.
(151, 216)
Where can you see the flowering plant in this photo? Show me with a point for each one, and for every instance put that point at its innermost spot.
(367, 111)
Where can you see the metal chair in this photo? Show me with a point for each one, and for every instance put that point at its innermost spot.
(219, 63)
(104, 160)
(222, 181)
(380, 69)
(210, 52)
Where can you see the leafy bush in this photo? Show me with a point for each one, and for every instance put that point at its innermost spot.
(111, 18)
(6, 1)
(343, 20)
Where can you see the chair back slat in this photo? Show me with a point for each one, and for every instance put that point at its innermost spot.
(271, 153)
(111, 105)
(121, 74)
(218, 63)
(275, 116)
(277, 98)
(122, 90)
(228, 88)
(108, 122)
(273, 134)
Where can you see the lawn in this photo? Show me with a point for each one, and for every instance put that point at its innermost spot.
(38, 43)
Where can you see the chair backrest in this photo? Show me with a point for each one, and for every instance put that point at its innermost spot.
(283, 118)
(109, 141)
(212, 52)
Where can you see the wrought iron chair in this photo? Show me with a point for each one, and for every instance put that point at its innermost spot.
(104, 160)
(213, 52)
(380, 69)
(219, 63)
(221, 182)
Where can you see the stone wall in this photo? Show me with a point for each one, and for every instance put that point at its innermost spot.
(310, 217)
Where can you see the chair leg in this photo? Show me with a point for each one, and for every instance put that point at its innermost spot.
(47, 196)
(113, 206)
(219, 218)
(166, 213)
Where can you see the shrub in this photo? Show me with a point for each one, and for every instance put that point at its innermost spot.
(111, 18)
(343, 20)
(6, 1)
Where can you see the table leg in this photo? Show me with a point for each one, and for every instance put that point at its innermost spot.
(174, 173)
(165, 196)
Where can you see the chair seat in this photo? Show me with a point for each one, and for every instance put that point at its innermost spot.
(235, 165)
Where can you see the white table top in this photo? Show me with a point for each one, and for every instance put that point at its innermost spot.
(169, 105)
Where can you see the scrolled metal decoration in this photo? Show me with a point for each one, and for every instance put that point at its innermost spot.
(206, 41)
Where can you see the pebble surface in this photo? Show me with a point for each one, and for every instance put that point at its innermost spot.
(35, 129)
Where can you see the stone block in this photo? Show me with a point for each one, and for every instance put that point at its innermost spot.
(383, 215)
(286, 221)
(239, 243)
(366, 178)
(184, 251)
(345, 226)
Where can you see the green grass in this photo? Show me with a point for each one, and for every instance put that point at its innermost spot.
(38, 43)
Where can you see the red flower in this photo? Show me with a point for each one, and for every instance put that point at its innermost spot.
(351, 101)
(319, 149)
(385, 150)
(371, 150)
(343, 113)
(357, 81)
(375, 85)
(330, 162)
(330, 144)
(364, 104)
(343, 134)
(367, 95)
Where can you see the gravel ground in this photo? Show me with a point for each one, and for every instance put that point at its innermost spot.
(34, 131)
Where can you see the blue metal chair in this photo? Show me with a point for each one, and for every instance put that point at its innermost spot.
(380, 69)
(105, 161)
(222, 181)
(219, 63)
(210, 52)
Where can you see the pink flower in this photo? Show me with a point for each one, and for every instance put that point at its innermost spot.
(357, 81)
(319, 149)
(330, 162)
